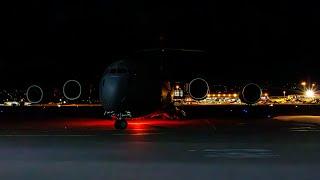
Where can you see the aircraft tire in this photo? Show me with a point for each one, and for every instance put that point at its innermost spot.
(120, 124)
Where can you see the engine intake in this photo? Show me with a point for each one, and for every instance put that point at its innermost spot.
(71, 90)
(34, 94)
(251, 93)
(198, 89)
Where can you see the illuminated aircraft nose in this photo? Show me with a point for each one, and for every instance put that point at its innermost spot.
(113, 91)
(114, 86)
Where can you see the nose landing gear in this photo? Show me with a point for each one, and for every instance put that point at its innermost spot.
(120, 122)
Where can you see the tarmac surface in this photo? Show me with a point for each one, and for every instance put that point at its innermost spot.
(51, 147)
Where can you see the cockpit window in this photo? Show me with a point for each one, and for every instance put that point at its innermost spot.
(118, 68)
(122, 70)
(113, 71)
(117, 71)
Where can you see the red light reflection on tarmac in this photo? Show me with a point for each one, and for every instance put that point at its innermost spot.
(135, 124)
(145, 124)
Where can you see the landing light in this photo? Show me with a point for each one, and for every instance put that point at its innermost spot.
(309, 93)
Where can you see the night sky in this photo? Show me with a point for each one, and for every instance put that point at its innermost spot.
(44, 40)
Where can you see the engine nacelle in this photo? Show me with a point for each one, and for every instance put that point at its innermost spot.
(198, 89)
(34, 94)
(251, 93)
(72, 90)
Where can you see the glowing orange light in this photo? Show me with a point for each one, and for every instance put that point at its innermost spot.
(309, 93)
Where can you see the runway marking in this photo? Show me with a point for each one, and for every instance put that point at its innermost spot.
(247, 150)
(192, 150)
(45, 135)
(238, 153)
(242, 156)
(305, 129)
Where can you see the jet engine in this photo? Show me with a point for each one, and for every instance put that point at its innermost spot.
(251, 93)
(34, 94)
(198, 89)
(71, 90)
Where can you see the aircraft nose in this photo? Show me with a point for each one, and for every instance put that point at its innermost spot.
(113, 92)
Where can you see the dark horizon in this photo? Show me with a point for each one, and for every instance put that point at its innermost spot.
(56, 39)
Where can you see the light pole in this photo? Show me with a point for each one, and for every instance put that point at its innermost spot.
(304, 85)
(284, 94)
